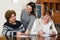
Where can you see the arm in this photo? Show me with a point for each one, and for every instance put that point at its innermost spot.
(21, 15)
(34, 28)
(54, 29)
(31, 23)
(6, 31)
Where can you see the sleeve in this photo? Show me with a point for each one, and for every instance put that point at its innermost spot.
(21, 15)
(31, 23)
(54, 29)
(21, 28)
(6, 31)
(34, 28)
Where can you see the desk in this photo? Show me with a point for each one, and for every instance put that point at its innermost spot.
(32, 38)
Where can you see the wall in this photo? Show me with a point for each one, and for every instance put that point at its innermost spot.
(8, 4)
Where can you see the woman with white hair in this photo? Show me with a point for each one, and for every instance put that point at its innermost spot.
(44, 25)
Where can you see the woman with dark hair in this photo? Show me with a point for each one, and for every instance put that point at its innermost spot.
(12, 27)
(28, 16)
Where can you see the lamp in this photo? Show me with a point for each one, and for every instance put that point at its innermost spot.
(15, 1)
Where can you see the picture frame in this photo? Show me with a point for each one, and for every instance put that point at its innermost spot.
(38, 10)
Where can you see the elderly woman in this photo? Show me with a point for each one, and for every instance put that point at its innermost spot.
(44, 25)
(12, 27)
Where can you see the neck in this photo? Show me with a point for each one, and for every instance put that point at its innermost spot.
(13, 23)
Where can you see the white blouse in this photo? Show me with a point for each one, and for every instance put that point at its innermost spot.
(39, 26)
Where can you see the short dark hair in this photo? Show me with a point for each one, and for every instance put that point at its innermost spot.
(8, 14)
(33, 5)
(48, 13)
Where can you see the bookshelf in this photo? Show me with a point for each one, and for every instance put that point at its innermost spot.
(52, 5)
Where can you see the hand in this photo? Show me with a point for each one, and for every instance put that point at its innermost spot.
(41, 33)
(53, 33)
(18, 34)
(27, 32)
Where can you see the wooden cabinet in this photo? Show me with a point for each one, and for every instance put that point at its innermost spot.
(52, 5)
(57, 17)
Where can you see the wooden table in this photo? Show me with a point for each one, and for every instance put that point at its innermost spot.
(33, 38)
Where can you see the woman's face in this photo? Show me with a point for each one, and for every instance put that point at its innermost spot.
(29, 9)
(12, 19)
(47, 18)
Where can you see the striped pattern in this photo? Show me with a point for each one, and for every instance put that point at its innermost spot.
(7, 31)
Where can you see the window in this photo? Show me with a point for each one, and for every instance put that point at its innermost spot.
(38, 10)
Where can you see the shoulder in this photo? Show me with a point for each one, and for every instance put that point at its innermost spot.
(18, 22)
(38, 20)
(32, 16)
(51, 21)
(23, 10)
(6, 23)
